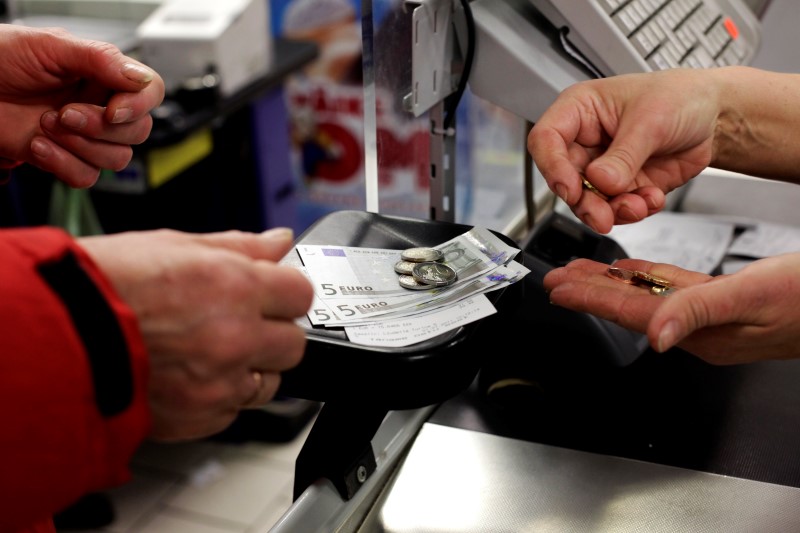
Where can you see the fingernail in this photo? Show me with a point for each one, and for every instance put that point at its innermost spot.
(122, 114)
(40, 148)
(73, 119)
(626, 213)
(610, 171)
(587, 219)
(278, 234)
(562, 192)
(50, 120)
(667, 337)
(137, 73)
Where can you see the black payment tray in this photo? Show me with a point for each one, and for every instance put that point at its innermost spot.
(360, 384)
(407, 377)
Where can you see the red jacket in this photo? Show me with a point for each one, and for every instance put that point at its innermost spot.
(73, 371)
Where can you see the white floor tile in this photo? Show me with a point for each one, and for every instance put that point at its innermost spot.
(166, 523)
(206, 487)
(272, 514)
(175, 457)
(283, 453)
(138, 499)
(232, 489)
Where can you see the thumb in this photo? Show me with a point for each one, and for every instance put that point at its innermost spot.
(270, 245)
(693, 308)
(615, 170)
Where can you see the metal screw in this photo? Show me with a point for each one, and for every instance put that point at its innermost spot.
(361, 474)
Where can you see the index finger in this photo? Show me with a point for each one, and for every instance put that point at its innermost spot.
(100, 61)
(286, 292)
(547, 144)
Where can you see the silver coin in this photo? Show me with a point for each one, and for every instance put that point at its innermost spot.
(410, 283)
(421, 255)
(404, 267)
(435, 274)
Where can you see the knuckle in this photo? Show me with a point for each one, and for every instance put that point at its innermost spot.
(107, 50)
(625, 158)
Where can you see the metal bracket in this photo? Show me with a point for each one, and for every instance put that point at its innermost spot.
(435, 51)
(339, 447)
(442, 167)
(432, 54)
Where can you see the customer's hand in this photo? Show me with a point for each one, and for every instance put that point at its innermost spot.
(634, 137)
(217, 316)
(737, 318)
(72, 106)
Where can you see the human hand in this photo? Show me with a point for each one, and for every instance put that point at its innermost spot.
(635, 138)
(72, 106)
(217, 316)
(747, 316)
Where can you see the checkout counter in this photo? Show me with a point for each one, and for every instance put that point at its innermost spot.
(497, 427)
(546, 432)
(551, 433)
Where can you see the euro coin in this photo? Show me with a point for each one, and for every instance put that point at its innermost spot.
(404, 267)
(409, 282)
(421, 255)
(435, 274)
(650, 280)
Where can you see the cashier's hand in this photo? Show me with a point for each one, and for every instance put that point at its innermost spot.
(634, 137)
(71, 106)
(217, 315)
(737, 318)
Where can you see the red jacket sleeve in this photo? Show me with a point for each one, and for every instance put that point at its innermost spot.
(73, 372)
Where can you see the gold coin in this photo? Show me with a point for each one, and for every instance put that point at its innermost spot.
(589, 187)
(662, 291)
(621, 274)
(649, 279)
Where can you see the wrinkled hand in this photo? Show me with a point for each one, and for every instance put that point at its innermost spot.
(635, 137)
(737, 318)
(217, 316)
(72, 106)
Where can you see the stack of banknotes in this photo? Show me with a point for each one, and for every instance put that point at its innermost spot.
(357, 288)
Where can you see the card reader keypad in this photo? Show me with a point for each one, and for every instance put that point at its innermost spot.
(678, 33)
